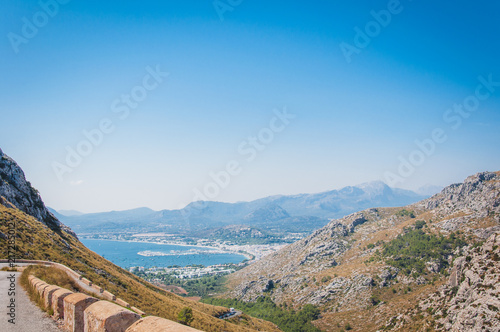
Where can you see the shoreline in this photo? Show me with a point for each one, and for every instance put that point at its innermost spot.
(247, 255)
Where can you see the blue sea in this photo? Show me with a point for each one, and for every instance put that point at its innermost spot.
(128, 254)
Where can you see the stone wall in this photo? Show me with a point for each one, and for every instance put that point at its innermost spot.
(83, 313)
(97, 290)
(74, 308)
(58, 302)
(149, 324)
(105, 316)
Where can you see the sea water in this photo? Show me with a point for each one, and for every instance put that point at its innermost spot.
(127, 254)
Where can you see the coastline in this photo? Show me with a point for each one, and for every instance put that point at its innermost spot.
(218, 250)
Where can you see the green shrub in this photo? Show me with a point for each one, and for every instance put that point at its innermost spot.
(265, 308)
(374, 300)
(419, 224)
(326, 279)
(410, 251)
(185, 316)
(405, 213)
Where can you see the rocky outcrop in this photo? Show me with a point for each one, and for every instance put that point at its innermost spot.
(17, 191)
(470, 301)
(348, 293)
(475, 304)
(463, 205)
(287, 267)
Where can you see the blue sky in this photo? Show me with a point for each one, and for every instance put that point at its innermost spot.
(353, 121)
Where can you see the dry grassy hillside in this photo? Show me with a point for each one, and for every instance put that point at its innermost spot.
(34, 240)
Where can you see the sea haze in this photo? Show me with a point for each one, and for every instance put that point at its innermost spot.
(128, 254)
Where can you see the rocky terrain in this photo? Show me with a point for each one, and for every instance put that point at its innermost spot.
(470, 301)
(15, 189)
(342, 269)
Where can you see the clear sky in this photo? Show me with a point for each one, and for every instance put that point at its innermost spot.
(361, 87)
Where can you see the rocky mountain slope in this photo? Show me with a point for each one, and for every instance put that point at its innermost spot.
(369, 267)
(39, 236)
(470, 301)
(15, 189)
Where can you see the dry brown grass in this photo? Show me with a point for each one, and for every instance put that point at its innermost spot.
(374, 318)
(52, 276)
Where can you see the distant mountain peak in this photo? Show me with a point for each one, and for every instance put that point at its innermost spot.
(373, 184)
(70, 213)
(270, 212)
(375, 187)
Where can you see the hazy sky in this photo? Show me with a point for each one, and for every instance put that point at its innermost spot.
(281, 97)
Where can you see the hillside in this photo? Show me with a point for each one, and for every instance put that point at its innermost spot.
(371, 269)
(48, 239)
(239, 234)
(15, 189)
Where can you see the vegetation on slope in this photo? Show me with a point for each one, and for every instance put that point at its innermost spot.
(265, 308)
(35, 241)
(411, 251)
(50, 275)
(202, 287)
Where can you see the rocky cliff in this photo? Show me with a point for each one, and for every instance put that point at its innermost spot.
(470, 301)
(16, 191)
(343, 270)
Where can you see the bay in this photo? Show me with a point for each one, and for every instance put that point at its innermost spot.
(127, 254)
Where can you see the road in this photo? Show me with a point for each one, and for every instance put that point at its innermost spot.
(236, 313)
(28, 317)
(80, 283)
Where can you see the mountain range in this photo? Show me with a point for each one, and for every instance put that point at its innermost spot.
(276, 214)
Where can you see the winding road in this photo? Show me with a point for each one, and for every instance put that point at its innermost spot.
(28, 317)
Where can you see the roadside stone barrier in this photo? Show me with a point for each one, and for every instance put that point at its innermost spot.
(74, 311)
(32, 280)
(86, 281)
(108, 296)
(151, 323)
(47, 295)
(40, 288)
(58, 302)
(99, 291)
(84, 313)
(36, 284)
(104, 316)
(122, 303)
